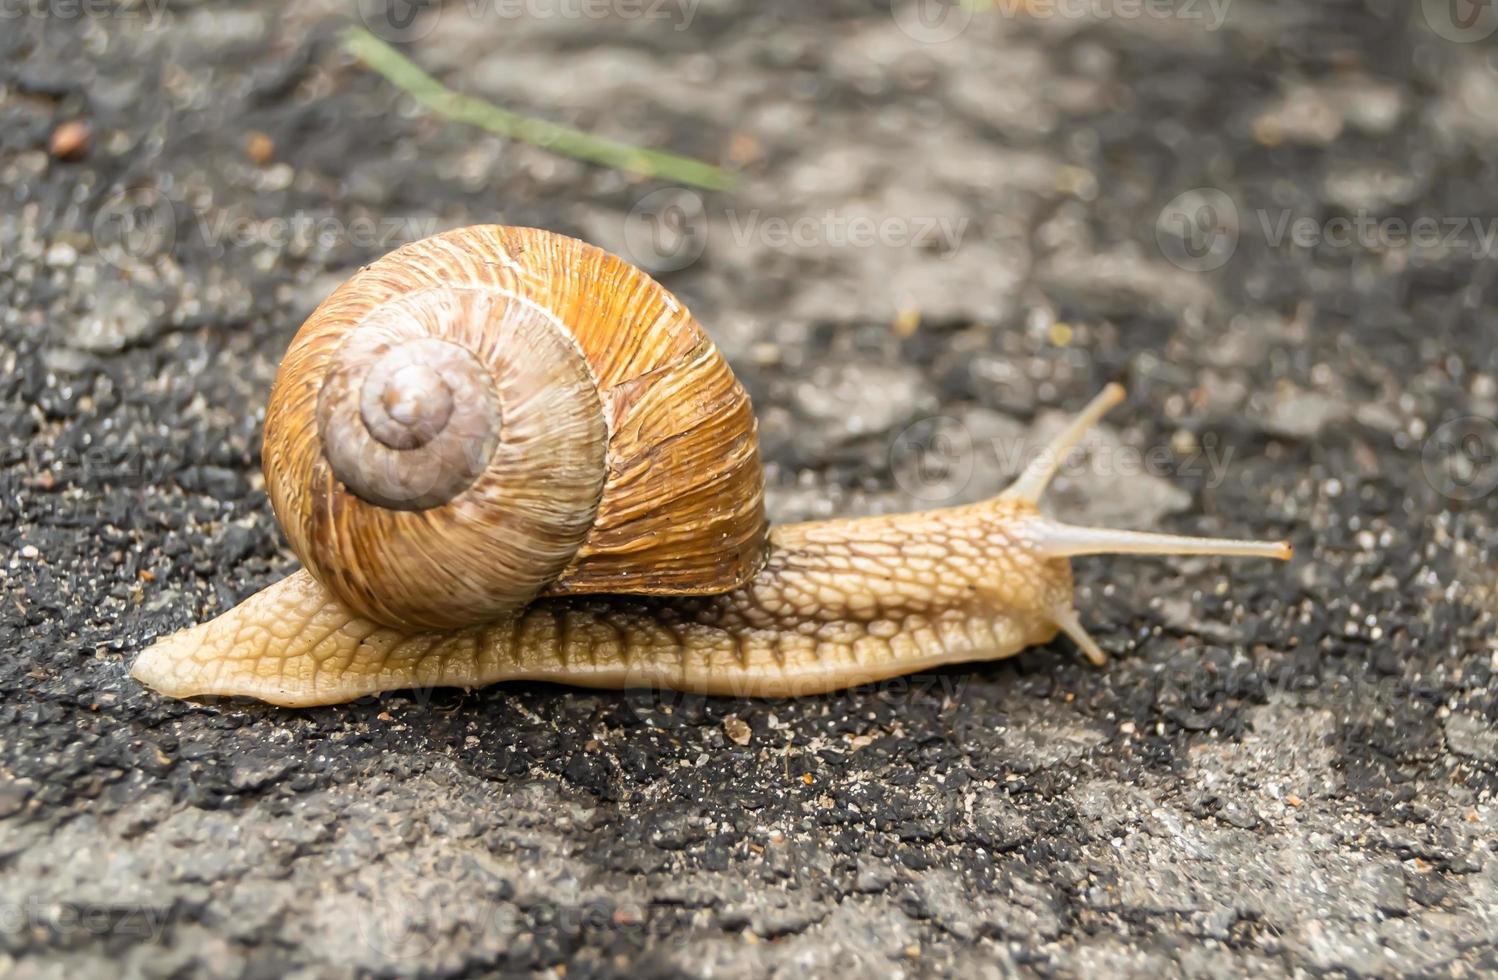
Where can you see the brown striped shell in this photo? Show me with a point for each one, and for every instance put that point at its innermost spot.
(497, 413)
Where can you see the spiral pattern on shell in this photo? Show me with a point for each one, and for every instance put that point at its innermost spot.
(495, 413)
(408, 422)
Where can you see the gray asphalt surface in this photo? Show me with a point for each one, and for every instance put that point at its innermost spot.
(1277, 227)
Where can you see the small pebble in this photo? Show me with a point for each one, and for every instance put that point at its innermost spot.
(737, 730)
(260, 148)
(907, 322)
(62, 256)
(70, 141)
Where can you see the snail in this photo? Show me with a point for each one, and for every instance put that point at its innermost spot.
(502, 453)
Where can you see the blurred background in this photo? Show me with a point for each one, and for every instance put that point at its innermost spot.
(922, 232)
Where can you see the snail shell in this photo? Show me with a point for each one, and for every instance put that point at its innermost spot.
(498, 413)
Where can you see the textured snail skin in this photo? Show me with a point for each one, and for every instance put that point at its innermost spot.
(836, 604)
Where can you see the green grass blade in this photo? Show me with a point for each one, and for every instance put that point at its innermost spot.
(403, 73)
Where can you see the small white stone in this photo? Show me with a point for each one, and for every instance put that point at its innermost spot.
(62, 256)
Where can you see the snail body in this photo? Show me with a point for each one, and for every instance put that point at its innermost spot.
(504, 454)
